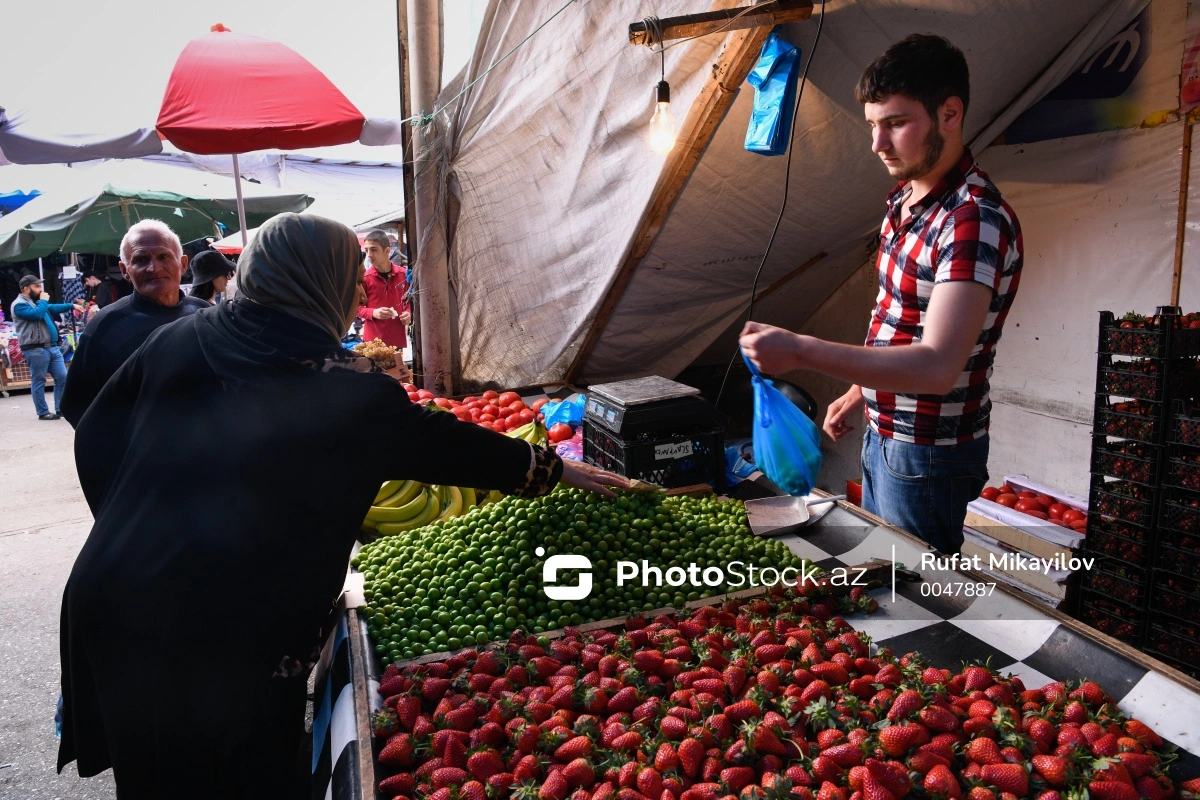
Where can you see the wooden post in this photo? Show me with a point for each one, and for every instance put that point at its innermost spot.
(725, 20)
(1181, 222)
(431, 270)
(733, 64)
(406, 169)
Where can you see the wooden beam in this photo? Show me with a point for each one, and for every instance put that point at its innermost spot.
(733, 64)
(685, 27)
(1181, 222)
(796, 273)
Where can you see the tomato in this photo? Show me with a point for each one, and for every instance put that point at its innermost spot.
(1079, 525)
(499, 426)
(537, 404)
(560, 432)
(505, 413)
(508, 398)
(1027, 495)
(443, 402)
(1045, 500)
(989, 493)
(524, 416)
(469, 400)
(1006, 489)
(413, 396)
(425, 394)
(1007, 499)
(408, 387)
(519, 405)
(488, 418)
(1071, 515)
(1026, 504)
(1056, 510)
(489, 395)
(1038, 514)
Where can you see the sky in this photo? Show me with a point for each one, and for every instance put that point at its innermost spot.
(109, 60)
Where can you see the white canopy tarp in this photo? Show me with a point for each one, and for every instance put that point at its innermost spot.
(551, 173)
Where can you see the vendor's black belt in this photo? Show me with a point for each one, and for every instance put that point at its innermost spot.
(34, 347)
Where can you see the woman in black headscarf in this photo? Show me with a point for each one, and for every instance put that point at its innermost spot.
(176, 617)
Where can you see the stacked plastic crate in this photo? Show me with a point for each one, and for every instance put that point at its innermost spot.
(1143, 368)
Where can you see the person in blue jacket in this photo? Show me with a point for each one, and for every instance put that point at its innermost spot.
(38, 337)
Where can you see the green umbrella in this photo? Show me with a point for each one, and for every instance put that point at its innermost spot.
(90, 212)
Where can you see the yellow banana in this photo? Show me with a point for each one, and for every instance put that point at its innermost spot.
(455, 506)
(408, 490)
(468, 498)
(494, 496)
(388, 489)
(407, 511)
(432, 509)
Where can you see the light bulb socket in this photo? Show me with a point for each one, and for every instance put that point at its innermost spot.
(662, 92)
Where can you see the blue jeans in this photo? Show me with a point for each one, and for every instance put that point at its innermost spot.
(41, 360)
(923, 489)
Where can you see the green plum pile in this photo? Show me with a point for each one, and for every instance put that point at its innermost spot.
(477, 578)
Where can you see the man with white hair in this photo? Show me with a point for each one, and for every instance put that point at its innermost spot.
(152, 260)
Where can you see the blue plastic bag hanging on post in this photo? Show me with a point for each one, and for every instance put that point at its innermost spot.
(787, 444)
(774, 80)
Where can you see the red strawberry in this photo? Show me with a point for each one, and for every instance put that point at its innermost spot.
(762, 739)
(1105, 746)
(1153, 788)
(1043, 734)
(691, 757)
(1091, 693)
(627, 741)
(1052, 769)
(454, 754)
(981, 793)
(1143, 732)
(649, 782)
(1138, 764)
(398, 751)
(701, 791)
(473, 790)
(738, 778)
(896, 740)
(665, 757)
(922, 761)
(527, 768)
(579, 773)
(1111, 790)
(978, 678)
(984, 751)
(627, 775)
(769, 654)
(711, 771)
(937, 718)
(624, 700)
(940, 781)
(826, 769)
(384, 723)
(555, 787)
(831, 791)
(648, 661)
(576, 747)
(831, 673)
(844, 755)
(742, 711)
(982, 708)
(721, 726)
(400, 784)
(1075, 712)
(448, 776)
(673, 728)
(891, 774)
(484, 764)
(904, 705)
(1007, 778)
(434, 689)
(734, 678)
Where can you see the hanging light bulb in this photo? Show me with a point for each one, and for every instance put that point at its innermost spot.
(662, 124)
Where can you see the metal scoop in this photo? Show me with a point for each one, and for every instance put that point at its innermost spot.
(777, 516)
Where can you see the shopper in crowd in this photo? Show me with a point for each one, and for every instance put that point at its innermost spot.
(37, 336)
(102, 289)
(387, 310)
(950, 255)
(174, 620)
(211, 273)
(152, 260)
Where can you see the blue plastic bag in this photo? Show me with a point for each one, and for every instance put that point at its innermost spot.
(787, 444)
(569, 411)
(774, 80)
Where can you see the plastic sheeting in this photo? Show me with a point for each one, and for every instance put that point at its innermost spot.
(553, 175)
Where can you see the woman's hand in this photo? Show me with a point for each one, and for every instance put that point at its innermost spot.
(579, 475)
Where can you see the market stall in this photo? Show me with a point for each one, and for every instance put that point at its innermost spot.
(935, 615)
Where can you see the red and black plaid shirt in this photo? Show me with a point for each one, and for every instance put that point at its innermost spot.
(961, 231)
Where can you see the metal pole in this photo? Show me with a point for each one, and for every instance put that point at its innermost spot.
(41, 274)
(410, 228)
(432, 268)
(241, 204)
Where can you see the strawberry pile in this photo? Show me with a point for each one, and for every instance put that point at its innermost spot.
(771, 699)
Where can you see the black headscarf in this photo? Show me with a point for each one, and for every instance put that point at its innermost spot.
(305, 266)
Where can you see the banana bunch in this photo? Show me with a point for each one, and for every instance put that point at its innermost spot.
(532, 432)
(404, 505)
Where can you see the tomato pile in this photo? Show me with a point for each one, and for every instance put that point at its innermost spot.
(769, 699)
(500, 411)
(478, 577)
(1037, 505)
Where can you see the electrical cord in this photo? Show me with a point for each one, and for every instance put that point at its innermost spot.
(787, 178)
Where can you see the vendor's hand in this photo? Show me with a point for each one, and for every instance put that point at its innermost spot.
(384, 313)
(579, 475)
(842, 410)
(773, 350)
(405, 317)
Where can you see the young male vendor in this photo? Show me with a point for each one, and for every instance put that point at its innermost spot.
(950, 256)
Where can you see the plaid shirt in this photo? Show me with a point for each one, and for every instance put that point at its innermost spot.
(961, 231)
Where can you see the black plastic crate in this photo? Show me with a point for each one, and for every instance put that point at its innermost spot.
(1179, 516)
(1118, 539)
(1183, 469)
(1129, 419)
(1185, 425)
(1166, 337)
(1118, 620)
(1135, 461)
(1181, 561)
(1147, 379)
(1124, 500)
(667, 459)
(1176, 597)
(1175, 639)
(1119, 580)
